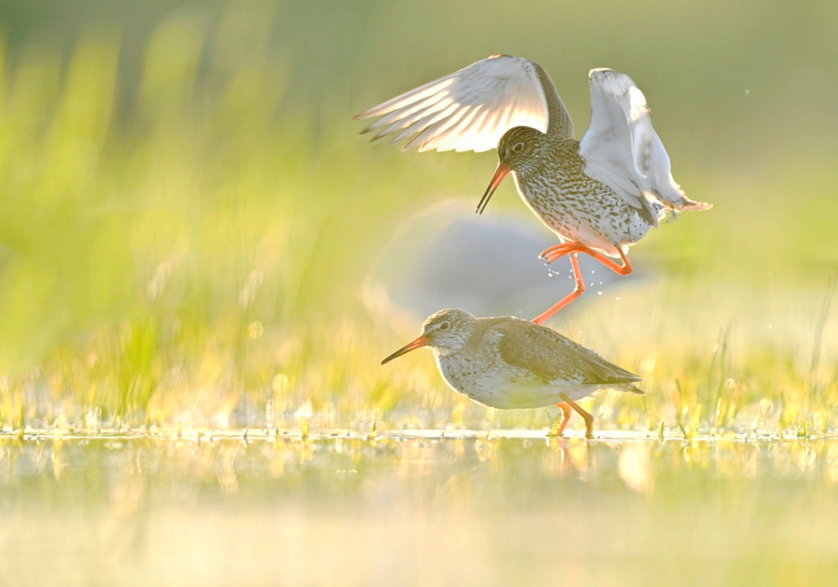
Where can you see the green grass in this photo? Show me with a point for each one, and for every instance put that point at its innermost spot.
(184, 234)
(190, 388)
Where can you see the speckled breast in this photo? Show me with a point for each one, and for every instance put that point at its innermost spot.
(580, 208)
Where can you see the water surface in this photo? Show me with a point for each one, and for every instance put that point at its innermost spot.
(420, 507)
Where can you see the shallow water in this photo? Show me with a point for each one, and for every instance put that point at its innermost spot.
(417, 507)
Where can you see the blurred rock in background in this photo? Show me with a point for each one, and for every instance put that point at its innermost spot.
(446, 256)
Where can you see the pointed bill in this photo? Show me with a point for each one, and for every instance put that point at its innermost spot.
(500, 173)
(412, 345)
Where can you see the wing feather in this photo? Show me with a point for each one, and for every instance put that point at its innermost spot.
(550, 356)
(476, 122)
(447, 138)
(430, 90)
(442, 129)
(503, 91)
(393, 118)
(425, 123)
(398, 125)
(622, 149)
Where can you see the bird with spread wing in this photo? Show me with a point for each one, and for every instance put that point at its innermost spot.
(600, 195)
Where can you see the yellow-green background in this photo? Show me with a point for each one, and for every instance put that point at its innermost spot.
(187, 220)
(187, 213)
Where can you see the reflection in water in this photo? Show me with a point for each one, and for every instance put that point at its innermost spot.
(419, 508)
(635, 466)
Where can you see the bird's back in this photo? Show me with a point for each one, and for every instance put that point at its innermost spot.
(551, 356)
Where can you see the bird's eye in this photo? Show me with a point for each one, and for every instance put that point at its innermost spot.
(444, 326)
(517, 147)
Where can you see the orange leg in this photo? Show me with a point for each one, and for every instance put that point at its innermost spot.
(565, 417)
(550, 254)
(577, 291)
(573, 248)
(589, 420)
(555, 252)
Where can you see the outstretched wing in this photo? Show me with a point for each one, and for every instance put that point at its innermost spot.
(550, 356)
(622, 149)
(468, 110)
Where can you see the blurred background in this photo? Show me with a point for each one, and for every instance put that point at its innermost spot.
(192, 232)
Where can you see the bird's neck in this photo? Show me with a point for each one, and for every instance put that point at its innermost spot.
(447, 352)
(559, 125)
(557, 157)
(566, 149)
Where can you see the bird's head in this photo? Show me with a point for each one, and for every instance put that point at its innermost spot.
(519, 150)
(446, 331)
(519, 145)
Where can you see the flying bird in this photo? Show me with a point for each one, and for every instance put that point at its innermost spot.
(600, 195)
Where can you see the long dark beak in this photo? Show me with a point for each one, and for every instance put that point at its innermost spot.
(501, 172)
(413, 344)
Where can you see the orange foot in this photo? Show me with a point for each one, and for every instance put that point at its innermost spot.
(573, 248)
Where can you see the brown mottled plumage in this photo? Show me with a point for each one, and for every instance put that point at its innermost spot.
(512, 363)
(600, 195)
(550, 175)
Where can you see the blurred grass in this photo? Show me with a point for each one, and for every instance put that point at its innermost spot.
(187, 213)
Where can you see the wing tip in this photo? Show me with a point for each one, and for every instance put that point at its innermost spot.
(624, 382)
(693, 206)
(599, 70)
(632, 388)
(369, 113)
(615, 82)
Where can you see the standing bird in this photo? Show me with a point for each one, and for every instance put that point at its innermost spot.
(512, 363)
(599, 195)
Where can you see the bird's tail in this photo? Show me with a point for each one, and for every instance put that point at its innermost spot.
(675, 199)
(632, 388)
(691, 205)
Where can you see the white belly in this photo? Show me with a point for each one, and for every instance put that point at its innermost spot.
(506, 387)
